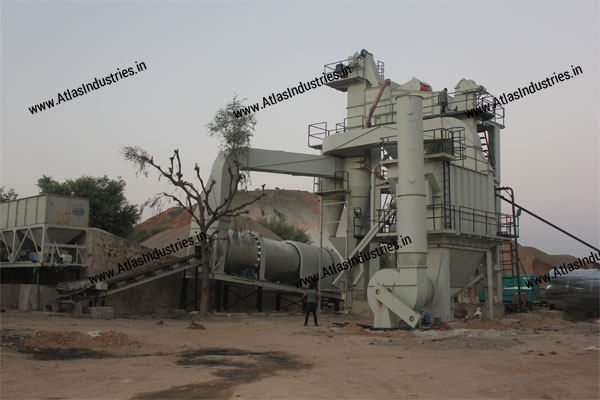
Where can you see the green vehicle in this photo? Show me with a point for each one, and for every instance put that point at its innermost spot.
(510, 291)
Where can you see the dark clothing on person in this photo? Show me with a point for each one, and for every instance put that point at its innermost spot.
(311, 308)
(443, 100)
(312, 298)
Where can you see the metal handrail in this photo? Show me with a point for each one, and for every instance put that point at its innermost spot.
(446, 140)
(497, 112)
(341, 182)
(480, 99)
(386, 217)
(468, 220)
(377, 115)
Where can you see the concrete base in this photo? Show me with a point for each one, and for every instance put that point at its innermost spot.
(28, 298)
(101, 312)
(25, 297)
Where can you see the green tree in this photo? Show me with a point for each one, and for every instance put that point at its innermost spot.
(284, 229)
(109, 209)
(235, 132)
(7, 195)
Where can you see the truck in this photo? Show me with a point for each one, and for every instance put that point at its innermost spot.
(510, 292)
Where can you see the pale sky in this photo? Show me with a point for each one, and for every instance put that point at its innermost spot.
(198, 54)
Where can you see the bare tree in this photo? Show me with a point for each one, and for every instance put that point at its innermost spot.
(235, 134)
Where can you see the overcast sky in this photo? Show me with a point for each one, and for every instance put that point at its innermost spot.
(198, 54)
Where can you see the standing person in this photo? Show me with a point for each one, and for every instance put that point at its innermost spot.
(311, 297)
(443, 99)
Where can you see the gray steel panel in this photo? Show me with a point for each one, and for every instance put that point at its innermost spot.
(45, 209)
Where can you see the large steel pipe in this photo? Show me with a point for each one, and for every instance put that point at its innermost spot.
(410, 200)
(243, 252)
(282, 261)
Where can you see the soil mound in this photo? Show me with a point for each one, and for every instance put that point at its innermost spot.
(77, 340)
(353, 329)
(485, 323)
(400, 334)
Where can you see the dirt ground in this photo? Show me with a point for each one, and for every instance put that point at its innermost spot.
(275, 357)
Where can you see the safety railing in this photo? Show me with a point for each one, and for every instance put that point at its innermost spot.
(474, 158)
(466, 156)
(508, 226)
(340, 66)
(469, 220)
(380, 68)
(318, 131)
(357, 121)
(430, 102)
(445, 140)
(385, 219)
(473, 100)
(340, 184)
(487, 102)
(383, 115)
(354, 63)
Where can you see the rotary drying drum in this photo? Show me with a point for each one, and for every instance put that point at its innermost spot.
(396, 169)
(249, 255)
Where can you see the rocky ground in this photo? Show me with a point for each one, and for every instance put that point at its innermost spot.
(274, 356)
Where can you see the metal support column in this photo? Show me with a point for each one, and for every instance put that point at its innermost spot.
(259, 293)
(37, 283)
(347, 296)
(320, 261)
(498, 268)
(184, 293)
(226, 297)
(490, 286)
(218, 295)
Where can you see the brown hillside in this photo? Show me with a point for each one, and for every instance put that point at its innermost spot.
(300, 207)
(173, 235)
(174, 217)
(536, 262)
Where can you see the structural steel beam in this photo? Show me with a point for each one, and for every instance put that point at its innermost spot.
(548, 222)
(283, 162)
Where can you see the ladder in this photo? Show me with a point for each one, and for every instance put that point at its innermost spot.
(485, 146)
(508, 259)
(446, 201)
